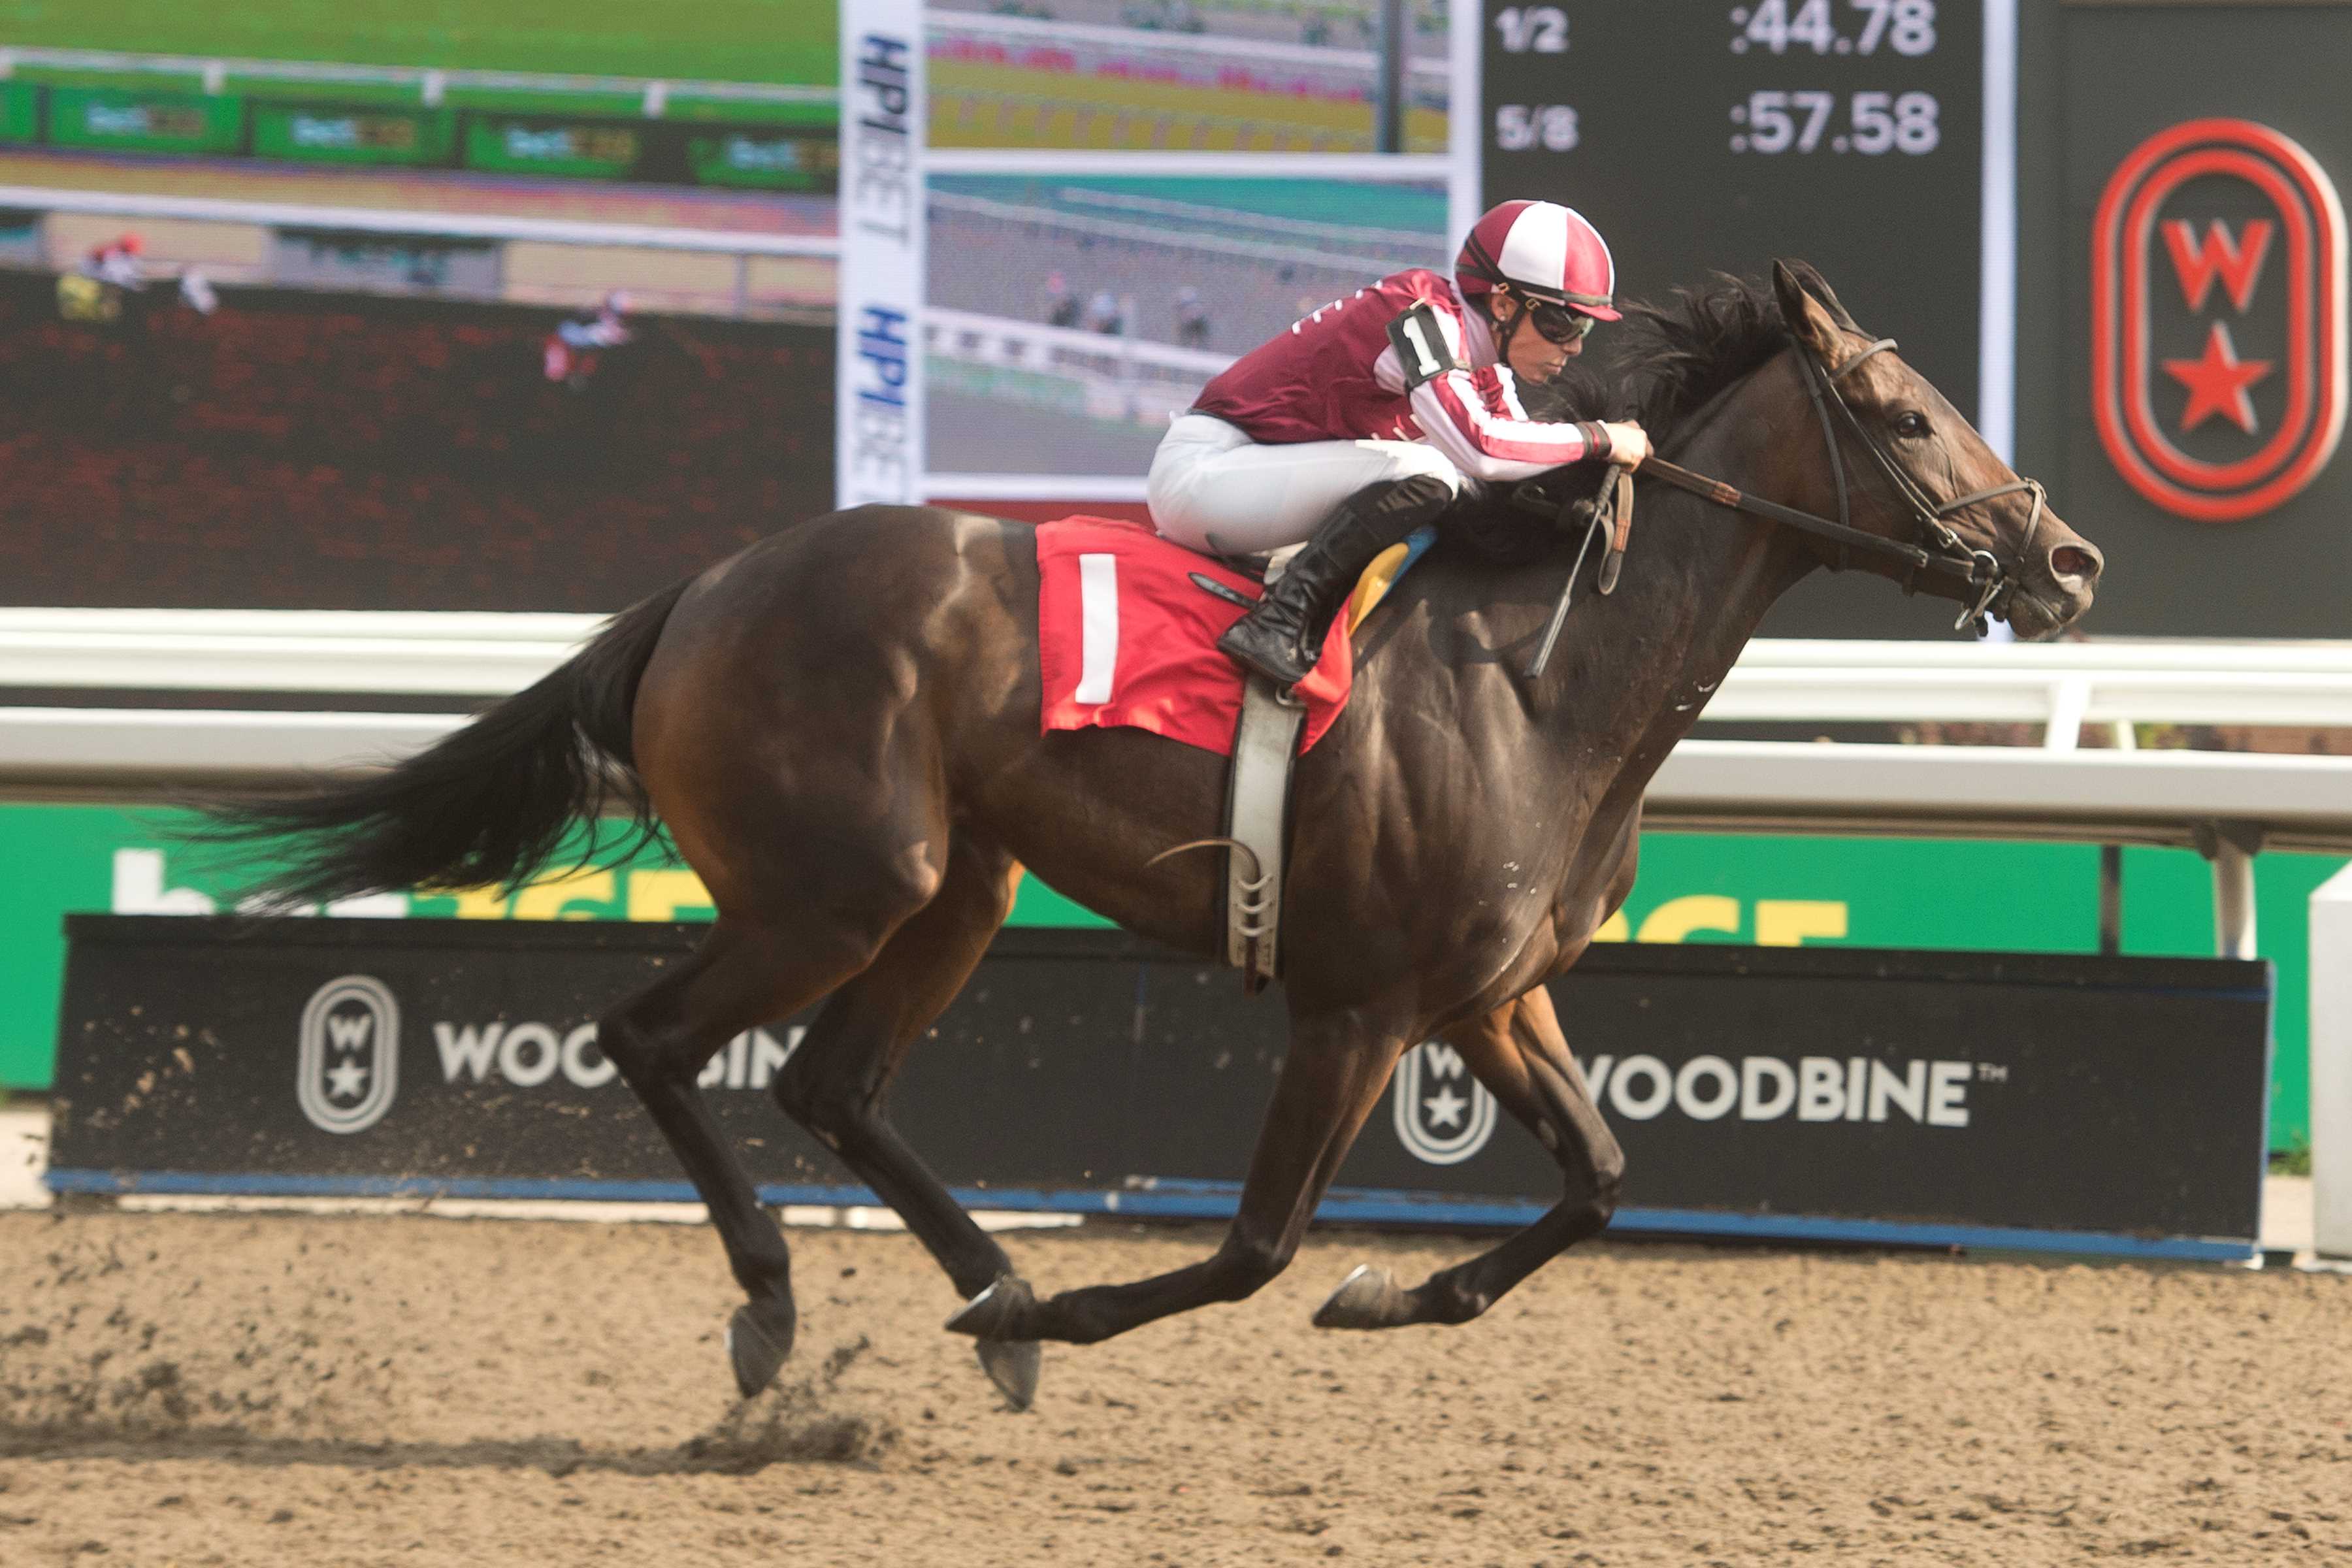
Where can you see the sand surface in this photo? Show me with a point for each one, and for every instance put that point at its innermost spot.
(257, 1391)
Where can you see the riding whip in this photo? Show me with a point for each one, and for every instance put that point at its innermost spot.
(1599, 508)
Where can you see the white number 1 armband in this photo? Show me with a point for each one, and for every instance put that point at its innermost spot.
(1421, 346)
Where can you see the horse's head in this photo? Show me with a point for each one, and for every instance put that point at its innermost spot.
(1914, 471)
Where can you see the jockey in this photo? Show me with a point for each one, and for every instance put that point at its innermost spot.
(116, 262)
(571, 352)
(1366, 419)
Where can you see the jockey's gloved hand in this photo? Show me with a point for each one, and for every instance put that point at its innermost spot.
(1629, 444)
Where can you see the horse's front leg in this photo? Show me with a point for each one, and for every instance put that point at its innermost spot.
(1519, 1054)
(1332, 1077)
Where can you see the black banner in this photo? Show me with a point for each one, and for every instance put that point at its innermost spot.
(1837, 1093)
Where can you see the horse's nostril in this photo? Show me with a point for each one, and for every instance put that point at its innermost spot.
(2075, 561)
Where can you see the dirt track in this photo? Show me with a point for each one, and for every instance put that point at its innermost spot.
(215, 1390)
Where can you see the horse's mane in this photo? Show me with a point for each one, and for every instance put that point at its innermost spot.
(1659, 365)
(1664, 361)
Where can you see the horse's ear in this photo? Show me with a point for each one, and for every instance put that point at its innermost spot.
(1812, 323)
(1818, 288)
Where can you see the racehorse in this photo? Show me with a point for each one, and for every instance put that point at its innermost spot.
(840, 729)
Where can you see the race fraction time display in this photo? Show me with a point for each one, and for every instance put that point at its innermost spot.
(1708, 137)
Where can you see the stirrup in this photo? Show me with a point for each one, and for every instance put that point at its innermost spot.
(1281, 683)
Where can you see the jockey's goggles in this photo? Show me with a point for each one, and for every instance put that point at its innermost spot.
(1556, 322)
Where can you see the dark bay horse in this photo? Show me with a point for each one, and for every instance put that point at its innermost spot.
(840, 727)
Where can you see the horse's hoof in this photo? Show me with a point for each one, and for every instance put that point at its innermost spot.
(758, 1338)
(1012, 1365)
(1367, 1298)
(996, 1312)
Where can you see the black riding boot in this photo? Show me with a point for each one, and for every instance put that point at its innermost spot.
(1282, 635)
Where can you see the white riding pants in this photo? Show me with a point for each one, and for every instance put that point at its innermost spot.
(1213, 488)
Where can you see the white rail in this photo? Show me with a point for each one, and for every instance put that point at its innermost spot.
(1350, 234)
(1267, 54)
(2229, 805)
(2171, 797)
(1118, 377)
(1980, 792)
(442, 225)
(70, 753)
(2061, 685)
(322, 652)
(1364, 263)
(2226, 805)
(431, 83)
(2137, 681)
(1028, 345)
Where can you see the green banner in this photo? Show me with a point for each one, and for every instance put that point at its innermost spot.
(20, 111)
(1774, 891)
(347, 135)
(588, 148)
(765, 160)
(145, 121)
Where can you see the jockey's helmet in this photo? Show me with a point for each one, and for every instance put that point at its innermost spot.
(1548, 253)
(131, 244)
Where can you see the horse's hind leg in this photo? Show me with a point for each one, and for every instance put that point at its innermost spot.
(836, 1083)
(1331, 1078)
(744, 974)
(1519, 1054)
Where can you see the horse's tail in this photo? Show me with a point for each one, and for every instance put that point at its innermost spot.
(488, 804)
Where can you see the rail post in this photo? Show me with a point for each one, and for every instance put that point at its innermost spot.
(2331, 1067)
(2111, 898)
(2231, 848)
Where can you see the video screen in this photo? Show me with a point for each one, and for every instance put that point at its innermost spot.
(1100, 305)
(1184, 76)
(314, 307)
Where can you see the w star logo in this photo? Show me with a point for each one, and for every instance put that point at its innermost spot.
(2218, 320)
(348, 1053)
(1442, 1114)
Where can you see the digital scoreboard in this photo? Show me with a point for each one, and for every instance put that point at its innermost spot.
(1706, 137)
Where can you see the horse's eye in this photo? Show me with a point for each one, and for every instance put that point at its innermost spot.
(1911, 422)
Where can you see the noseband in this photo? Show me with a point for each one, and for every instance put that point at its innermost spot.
(1937, 551)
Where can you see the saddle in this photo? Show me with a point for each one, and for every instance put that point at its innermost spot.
(1265, 743)
(1128, 623)
(1257, 789)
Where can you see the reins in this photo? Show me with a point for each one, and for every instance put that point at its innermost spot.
(1978, 573)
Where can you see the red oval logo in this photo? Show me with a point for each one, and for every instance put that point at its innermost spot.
(2219, 398)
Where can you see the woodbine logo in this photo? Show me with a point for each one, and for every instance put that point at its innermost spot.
(1766, 1089)
(1445, 1116)
(527, 1054)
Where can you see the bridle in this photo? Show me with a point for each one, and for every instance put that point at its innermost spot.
(1935, 551)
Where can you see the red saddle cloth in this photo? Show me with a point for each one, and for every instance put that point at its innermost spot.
(1126, 637)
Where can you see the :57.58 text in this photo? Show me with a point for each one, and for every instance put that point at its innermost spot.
(1776, 122)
